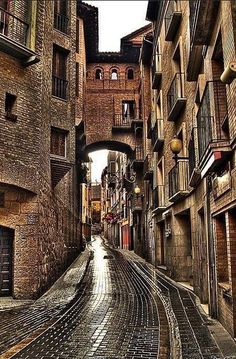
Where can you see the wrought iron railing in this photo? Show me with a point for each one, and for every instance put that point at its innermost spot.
(61, 22)
(149, 126)
(148, 163)
(169, 13)
(123, 120)
(156, 67)
(158, 131)
(211, 116)
(139, 153)
(159, 196)
(192, 151)
(179, 177)
(59, 87)
(13, 27)
(175, 91)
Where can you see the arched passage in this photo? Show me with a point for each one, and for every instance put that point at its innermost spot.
(109, 145)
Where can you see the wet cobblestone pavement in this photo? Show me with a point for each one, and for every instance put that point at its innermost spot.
(123, 309)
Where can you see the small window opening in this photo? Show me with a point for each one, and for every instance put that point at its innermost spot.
(2, 199)
(58, 142)
(128, 110)
(114, 74)
(10, 102)
(98, 74)
(130, 74)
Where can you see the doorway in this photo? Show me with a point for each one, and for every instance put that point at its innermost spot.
(6, 244)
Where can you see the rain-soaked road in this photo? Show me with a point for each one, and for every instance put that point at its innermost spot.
(116, 315)
(124, 308)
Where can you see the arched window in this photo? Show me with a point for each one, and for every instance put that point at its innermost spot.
(130, 74)
(98, 74)
(114, 74)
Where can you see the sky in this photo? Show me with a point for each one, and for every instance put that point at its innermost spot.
(116, 19)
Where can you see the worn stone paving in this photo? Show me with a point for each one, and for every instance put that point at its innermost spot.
(124, 308)
(115, 315)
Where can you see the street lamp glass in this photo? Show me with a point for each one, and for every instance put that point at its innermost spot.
(176, 145)
(137, 189)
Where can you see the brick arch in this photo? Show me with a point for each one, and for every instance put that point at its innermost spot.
(109, 145)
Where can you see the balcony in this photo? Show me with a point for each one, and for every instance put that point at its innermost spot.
(158, 135)
(156, 72)
(59, 168)
(138, 158)
(149, 127)
(179, 180)
(59, 87)
(194, 171)
(137, 203)
(122, 122)
(148, 168)
(61, 23)
(212, 127)
(13, 38)
(203, 14)
(159, 199)
(172, 21)
(175, 97)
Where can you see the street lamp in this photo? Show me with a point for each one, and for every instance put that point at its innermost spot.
(137, 190)
(176, 146)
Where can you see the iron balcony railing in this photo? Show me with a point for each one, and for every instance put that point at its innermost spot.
(212, 116)
(137, 203)
(148, 166)
(158, 132)
(159, 196)
(175, 91)
(169, 13)
(59, 87)
(13, 27)
(156, 71)
(179, 178)
(124, 120)
(192, 151)
(61, 22)
(139, 153)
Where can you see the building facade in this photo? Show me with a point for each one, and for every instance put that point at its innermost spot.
(39, 232)
(193, 114)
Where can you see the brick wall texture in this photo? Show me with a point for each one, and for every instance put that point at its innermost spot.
(44, 218)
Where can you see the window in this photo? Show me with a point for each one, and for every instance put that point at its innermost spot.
(59, 83)
(128, 109)
(2, 200)
(98, 74)
(130, 74)
(58, 142)
(114, 74)
(10, 104)
(60, 15)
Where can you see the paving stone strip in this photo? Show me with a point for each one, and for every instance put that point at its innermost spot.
(116, 315)
(18, 324)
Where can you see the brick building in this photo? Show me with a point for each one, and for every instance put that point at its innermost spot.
(194, 192)
(39, 232)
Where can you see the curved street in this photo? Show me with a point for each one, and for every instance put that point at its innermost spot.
(123, 309)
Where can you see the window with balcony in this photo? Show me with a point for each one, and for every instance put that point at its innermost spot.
(128, 110)
(172, 20)
(179, 180)
(60, 16)
(59, 65)
(58, 142)
(156, 69)
(13, 25)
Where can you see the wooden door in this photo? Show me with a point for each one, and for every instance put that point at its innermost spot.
(6, 240)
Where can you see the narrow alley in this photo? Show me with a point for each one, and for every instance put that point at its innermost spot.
(123, 308)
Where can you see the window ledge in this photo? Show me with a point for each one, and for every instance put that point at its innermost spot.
(59, 98)
(225, 286)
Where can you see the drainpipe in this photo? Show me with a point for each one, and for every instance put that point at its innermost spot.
(212, 278)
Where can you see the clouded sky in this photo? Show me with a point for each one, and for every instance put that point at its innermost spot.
(116, 19)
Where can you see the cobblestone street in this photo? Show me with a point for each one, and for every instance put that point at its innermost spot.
(123, 309)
